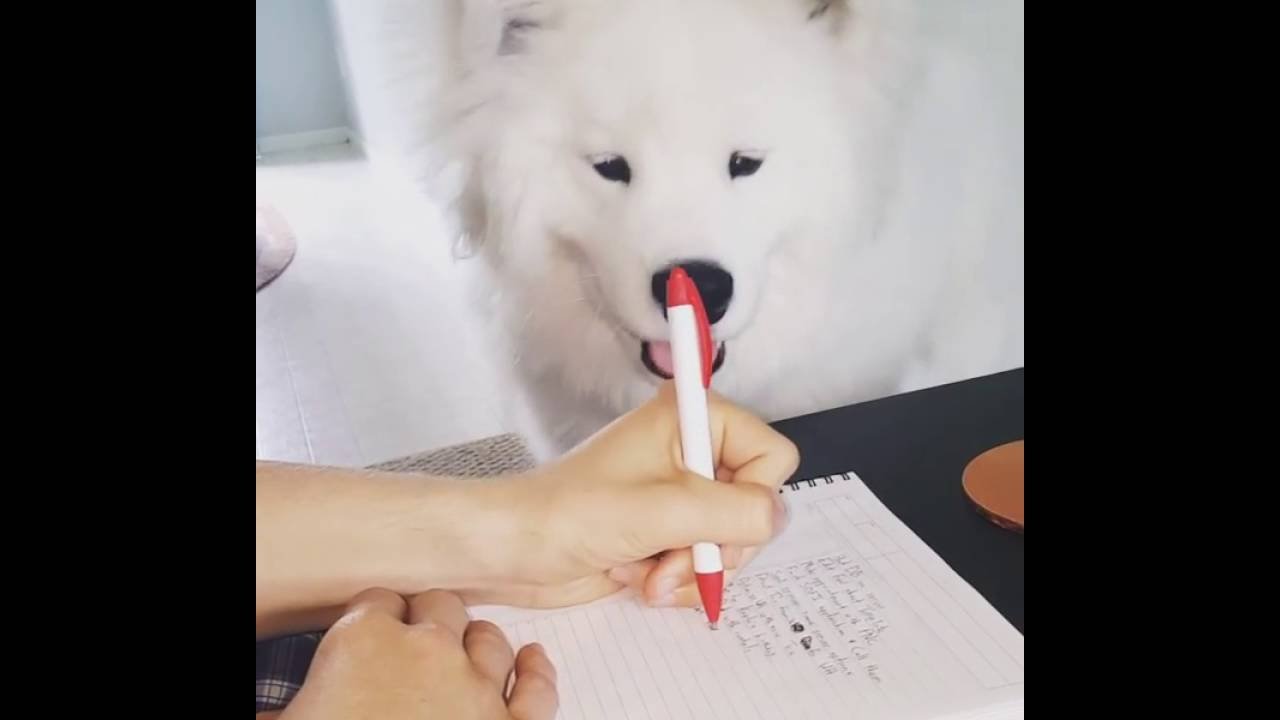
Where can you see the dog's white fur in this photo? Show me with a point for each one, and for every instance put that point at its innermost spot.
(861, 250)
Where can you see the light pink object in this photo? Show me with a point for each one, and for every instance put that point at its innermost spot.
(276, 244)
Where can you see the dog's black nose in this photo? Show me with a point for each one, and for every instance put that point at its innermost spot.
(715, 285)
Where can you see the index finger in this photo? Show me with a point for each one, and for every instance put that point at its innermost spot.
(750, 449)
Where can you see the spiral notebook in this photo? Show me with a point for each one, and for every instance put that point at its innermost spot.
(847, 614)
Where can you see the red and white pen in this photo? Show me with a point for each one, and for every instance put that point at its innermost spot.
(691, 358)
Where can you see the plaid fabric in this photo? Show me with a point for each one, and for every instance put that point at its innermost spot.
(283, 662)
(282, 666)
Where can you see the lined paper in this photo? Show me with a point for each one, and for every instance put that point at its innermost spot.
(846, 614)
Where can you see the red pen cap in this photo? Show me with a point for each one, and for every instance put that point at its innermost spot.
(682, 291)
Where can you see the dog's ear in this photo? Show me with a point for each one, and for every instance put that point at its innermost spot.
(868, 32)
(827, 11)
(488, 29)
(846, 18)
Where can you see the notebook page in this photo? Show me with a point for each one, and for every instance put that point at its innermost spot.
(846, 614)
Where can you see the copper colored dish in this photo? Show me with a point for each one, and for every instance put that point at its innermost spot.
(993, 481)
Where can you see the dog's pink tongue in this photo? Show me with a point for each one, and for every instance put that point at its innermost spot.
(660, 354)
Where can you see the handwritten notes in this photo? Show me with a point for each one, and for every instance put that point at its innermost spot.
(847, 614)
(822, 610)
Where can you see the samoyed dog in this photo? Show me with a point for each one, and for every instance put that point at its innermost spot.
(834, 180)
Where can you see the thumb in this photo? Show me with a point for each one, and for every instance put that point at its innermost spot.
(696, 509)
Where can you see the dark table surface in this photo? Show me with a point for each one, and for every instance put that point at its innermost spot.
(911, 451)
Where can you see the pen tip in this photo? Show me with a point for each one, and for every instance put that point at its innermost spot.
(715, 626)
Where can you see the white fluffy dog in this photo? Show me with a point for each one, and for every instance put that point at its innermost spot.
(830, 175)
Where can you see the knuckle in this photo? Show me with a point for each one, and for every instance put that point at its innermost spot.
(485, 631)
(357, 623)
(353, 632)
(432, 634)
(437, 595)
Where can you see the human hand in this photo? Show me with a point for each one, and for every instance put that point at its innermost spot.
(622, 509)
(388, 658)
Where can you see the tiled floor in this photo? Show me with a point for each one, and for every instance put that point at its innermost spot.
(364, 350)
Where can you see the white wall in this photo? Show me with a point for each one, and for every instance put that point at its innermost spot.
(342, 36)
(993, 33)
(299, 88)
(390, 52)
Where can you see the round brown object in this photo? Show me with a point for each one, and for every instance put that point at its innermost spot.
(993, 481)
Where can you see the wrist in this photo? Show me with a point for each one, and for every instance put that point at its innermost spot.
(477, 534)
(521, 531)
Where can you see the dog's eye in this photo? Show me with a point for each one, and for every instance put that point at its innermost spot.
(742, 165)
(613, 167)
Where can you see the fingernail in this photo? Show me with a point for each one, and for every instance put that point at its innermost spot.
(665, 601)
(780, 515)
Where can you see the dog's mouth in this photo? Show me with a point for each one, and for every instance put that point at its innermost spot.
(655, 354)
(656, 357)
